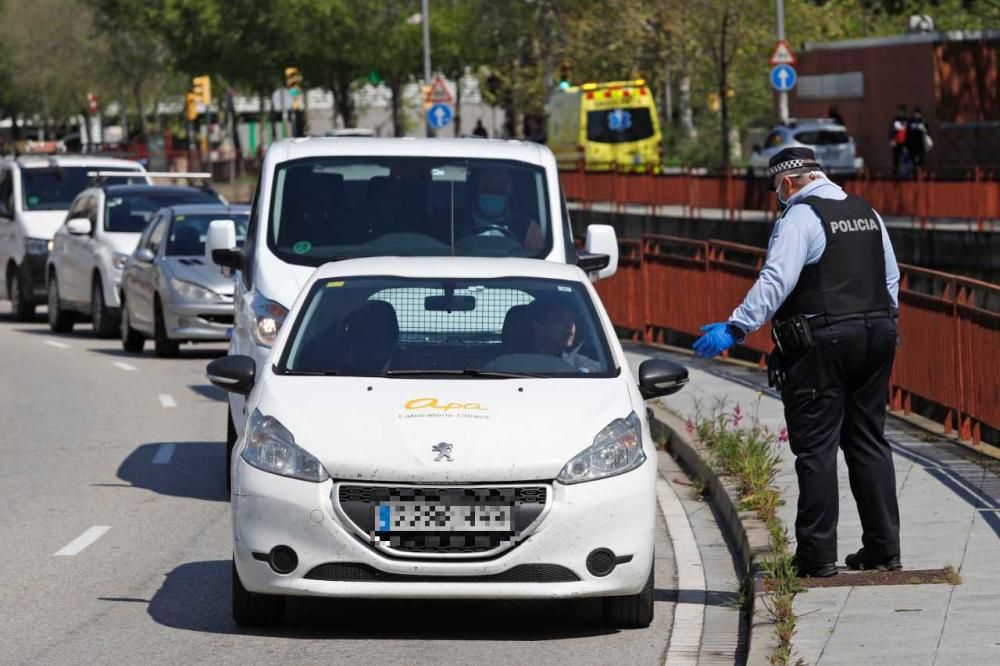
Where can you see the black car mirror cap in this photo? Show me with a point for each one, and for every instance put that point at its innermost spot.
(659, 377)
(232, 373)
(228, 258)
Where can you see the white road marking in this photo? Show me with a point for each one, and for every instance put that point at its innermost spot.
(167, 400)
(82, 541)
(123, 366)
(164, 453)
(57, 345)
(689, 614)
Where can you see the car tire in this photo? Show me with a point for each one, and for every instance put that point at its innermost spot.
(104, 322)
(251, 609)
(164, 346)
(60, 320)
(633, 611)
(21, 306)
(132, 340)
(230, 445)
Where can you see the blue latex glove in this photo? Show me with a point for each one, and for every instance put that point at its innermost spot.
(717, 339)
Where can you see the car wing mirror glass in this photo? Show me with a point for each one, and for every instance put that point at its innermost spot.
(79, 226)
(232, 373)
(659, 377)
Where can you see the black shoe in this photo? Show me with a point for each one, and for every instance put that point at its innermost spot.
(862, 561)
(824, 570)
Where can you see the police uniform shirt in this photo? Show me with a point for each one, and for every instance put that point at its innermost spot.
(798, 241)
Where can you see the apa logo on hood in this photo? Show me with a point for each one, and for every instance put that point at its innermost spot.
(437, 408)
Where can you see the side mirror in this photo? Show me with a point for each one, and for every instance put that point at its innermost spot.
(220, 245)
(232, 373)
(145, 255)
(79, 226)
(602, 240)
(659, 377)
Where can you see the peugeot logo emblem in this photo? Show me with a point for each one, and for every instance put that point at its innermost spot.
(443, 451)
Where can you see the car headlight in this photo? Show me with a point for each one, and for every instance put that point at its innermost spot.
(37, 245)
(616, 449)
(268, 317)
(193, 292)
(118, 260)
(270, 447)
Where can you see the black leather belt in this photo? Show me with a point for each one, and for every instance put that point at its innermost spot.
(824, 320)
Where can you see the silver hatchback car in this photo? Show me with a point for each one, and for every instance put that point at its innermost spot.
(170, 290)
(835, 149)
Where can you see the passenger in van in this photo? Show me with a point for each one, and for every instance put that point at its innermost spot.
(491, 212)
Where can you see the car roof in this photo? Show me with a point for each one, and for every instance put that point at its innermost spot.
(152, 189)
(812, 125)
(34, 161)
(522, 151)
(209, 209)
(450, 267)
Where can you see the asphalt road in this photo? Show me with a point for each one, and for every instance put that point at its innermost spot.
(115, 539)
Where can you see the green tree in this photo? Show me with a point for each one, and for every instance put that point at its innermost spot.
(394, 48)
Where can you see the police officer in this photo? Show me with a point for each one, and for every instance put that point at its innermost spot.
(830, 286)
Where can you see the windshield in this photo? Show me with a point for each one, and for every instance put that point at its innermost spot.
(822, 138)
(619, 125)
(390, 326)
(54, 188)
(330, 208)
(129, 212)
(188, 233)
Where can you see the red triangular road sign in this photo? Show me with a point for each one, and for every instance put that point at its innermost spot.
(782, 54)
(438, 93)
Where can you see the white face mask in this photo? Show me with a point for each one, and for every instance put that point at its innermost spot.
(781, 200)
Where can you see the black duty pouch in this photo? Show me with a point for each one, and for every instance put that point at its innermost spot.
(775, 369)
(792, 335)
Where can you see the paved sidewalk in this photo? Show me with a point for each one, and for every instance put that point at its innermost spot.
(950, 515)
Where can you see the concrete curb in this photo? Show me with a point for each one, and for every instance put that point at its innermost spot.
(747, 532)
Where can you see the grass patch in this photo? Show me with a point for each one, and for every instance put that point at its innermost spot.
(739, 445)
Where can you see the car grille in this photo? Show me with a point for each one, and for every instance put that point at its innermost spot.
(226, 319)
(353, 572)
(360, 503)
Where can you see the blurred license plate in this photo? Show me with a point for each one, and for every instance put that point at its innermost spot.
(431, 517)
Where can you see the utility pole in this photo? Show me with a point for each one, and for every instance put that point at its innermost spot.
(425, 13)
(782, 96)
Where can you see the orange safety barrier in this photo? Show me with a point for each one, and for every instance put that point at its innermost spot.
(949, 325)
(923, 199)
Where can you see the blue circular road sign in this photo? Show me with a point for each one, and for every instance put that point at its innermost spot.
(783, 77)
(439, 115)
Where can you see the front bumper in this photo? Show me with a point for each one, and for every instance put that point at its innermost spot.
(208, 321)
(618, 513)
(33, 276)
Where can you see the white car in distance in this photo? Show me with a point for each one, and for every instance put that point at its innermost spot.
(327, 199)
(445, 428)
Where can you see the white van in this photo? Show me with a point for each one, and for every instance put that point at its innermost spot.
(325, 199)
(35, 193)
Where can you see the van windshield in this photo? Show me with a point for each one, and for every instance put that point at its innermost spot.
(330, 208)
(411, 327)
(619, 125)
(54, 188)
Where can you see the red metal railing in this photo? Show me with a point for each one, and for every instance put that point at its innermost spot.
(923, 200)
(949, 325)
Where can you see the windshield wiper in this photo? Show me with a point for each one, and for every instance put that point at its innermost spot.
(306, 373)
(466, 372)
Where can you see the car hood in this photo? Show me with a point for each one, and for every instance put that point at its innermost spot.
(197, 270)
(42, 223)
(503, 430)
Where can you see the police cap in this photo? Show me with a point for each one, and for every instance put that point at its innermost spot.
(791, 158)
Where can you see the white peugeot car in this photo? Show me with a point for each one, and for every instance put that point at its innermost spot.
(327, 199)
(445, 428)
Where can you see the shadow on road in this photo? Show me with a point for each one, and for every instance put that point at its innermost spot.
(81, 331)
(196, 597)
(195, 470)
(187, 352)
(209, 392)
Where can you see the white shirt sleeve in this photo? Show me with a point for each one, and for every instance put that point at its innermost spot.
(891, 267)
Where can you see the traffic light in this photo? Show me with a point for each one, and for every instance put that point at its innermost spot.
(293, 80)
(201, 86)
(564, 70)
(191, 106)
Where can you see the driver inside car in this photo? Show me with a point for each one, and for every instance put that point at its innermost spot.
(492, 214)
(553, 332)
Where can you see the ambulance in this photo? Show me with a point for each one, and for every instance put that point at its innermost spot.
(605, 127)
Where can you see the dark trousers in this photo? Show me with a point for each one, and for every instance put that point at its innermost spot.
(835, 395)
